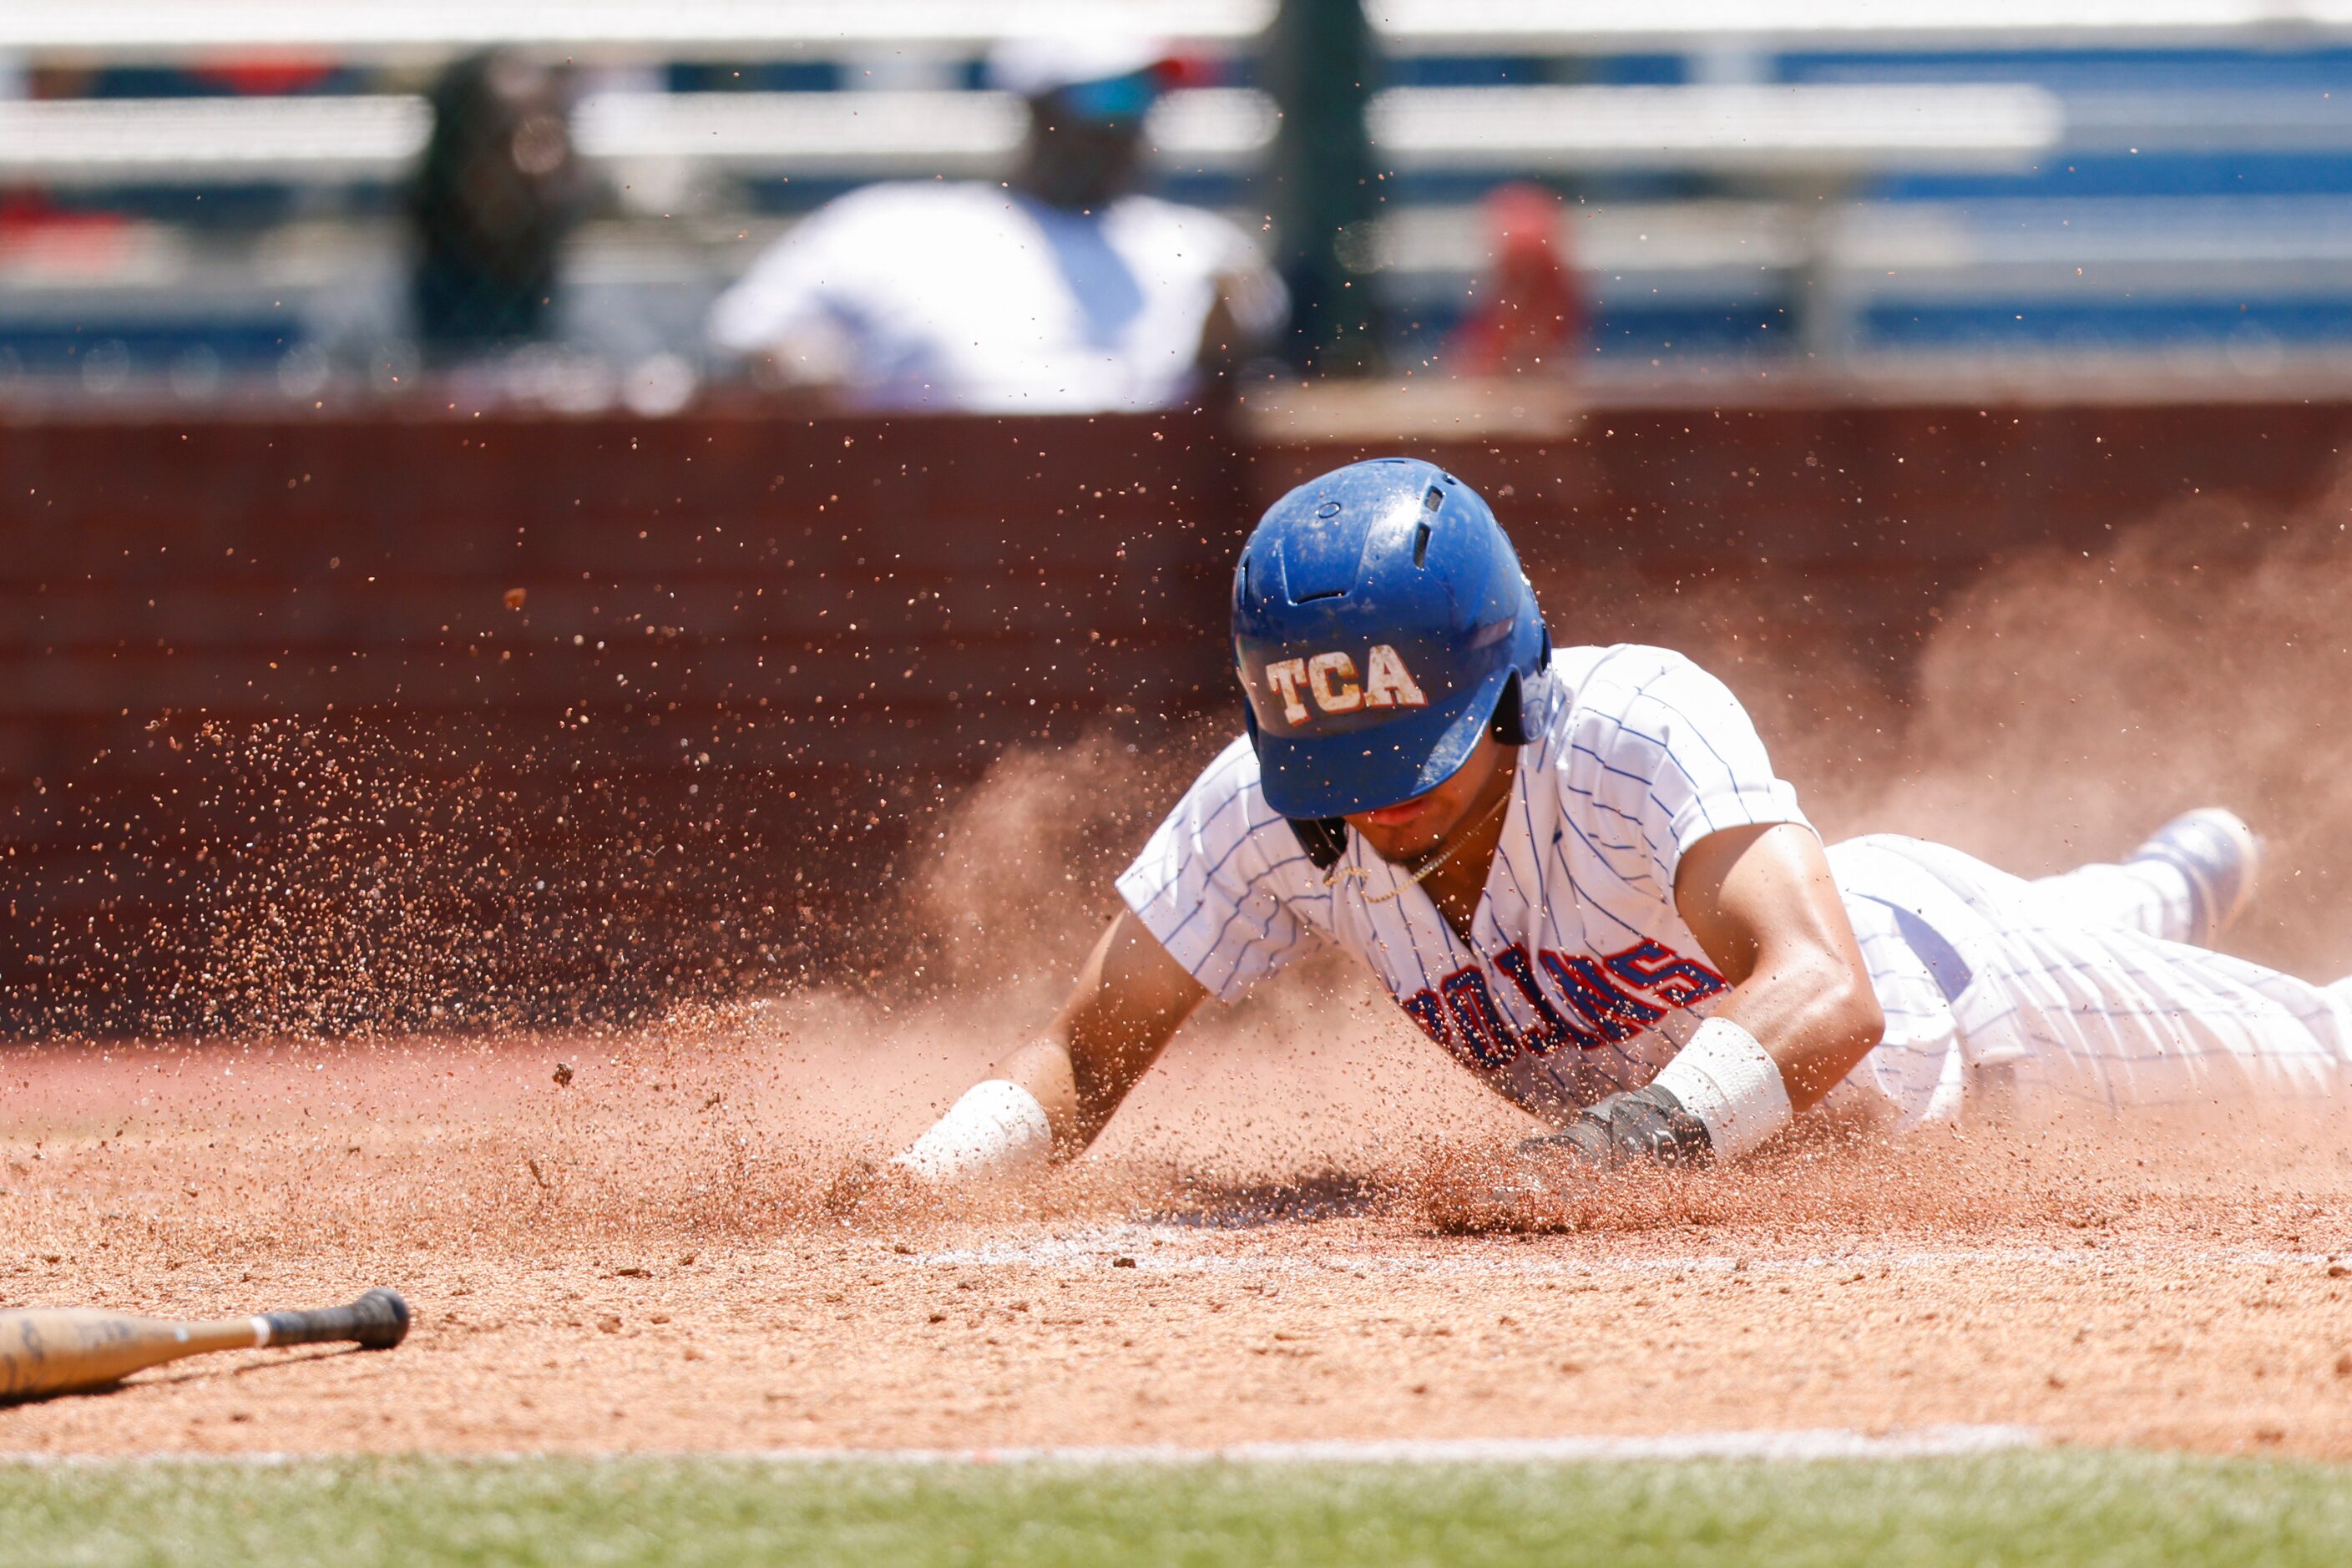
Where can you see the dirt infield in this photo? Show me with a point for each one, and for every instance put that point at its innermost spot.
(642, 1258)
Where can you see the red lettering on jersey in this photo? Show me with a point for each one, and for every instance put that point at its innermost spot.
(1492, 1043)
(1425, 1009)
(1460, 1012)
(1553, 1029)
(1618, 1015)
(1654, 966)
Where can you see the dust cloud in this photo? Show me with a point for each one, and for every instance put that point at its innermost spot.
(2068, 705)
(2061, 707)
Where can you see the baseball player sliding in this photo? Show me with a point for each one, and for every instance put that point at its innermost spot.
(1577, 872)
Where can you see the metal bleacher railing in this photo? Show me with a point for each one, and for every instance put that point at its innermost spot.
(1948, 176)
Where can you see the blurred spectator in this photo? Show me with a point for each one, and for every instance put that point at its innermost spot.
(265, 75)
(1056, 291)
(1525, 311)
(499, 188)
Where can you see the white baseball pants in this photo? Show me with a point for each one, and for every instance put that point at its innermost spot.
(2074, 987)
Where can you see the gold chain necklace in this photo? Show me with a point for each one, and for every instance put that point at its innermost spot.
(1332, 880)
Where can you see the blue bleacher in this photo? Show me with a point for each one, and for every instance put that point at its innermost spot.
(2080, 176)
(2167, 185)
(2087, 70)
(2115, 326)
(234, 344)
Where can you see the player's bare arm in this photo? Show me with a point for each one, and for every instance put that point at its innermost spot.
(1130, 997)
(1128, 1003)
(1800, 1013)
(1053, 1096)
(1762, 902)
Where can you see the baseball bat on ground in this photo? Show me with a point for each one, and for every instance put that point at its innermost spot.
(60, 1350)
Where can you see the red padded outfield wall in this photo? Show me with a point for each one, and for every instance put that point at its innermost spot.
(332, 721)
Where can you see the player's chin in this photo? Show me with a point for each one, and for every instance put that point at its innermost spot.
(1396, 843)
(1398, 851)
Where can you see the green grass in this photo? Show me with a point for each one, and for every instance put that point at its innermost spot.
(2030, 1508)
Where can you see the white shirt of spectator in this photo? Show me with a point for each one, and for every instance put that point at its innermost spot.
(974, 297)
(1579, 977)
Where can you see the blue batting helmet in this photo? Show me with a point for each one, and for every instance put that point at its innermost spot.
(1380, 619)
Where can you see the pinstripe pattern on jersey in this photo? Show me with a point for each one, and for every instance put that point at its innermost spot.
(2079, 984)
(1636, 754)
(2078, 987)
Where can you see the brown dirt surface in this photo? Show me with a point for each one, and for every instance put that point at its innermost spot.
(643, 1259)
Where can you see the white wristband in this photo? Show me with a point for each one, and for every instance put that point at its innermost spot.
(1728, 1081)
(997, 1128)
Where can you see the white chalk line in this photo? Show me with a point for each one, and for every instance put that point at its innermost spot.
(1803, 1445)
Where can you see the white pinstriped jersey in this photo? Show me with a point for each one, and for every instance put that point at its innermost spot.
(1580, 978)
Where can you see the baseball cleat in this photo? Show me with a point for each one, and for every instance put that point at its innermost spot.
(2218, 855)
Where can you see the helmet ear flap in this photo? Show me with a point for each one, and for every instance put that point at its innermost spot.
(1509, 723)
(1325, 840)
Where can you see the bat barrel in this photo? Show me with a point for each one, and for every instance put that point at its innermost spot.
(56, 1351)
(377, 1322)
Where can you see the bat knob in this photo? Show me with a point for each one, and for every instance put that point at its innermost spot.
(380, 1319)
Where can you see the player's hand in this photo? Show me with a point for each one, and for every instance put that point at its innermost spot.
(1639, 1127)
(1553, 1182)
